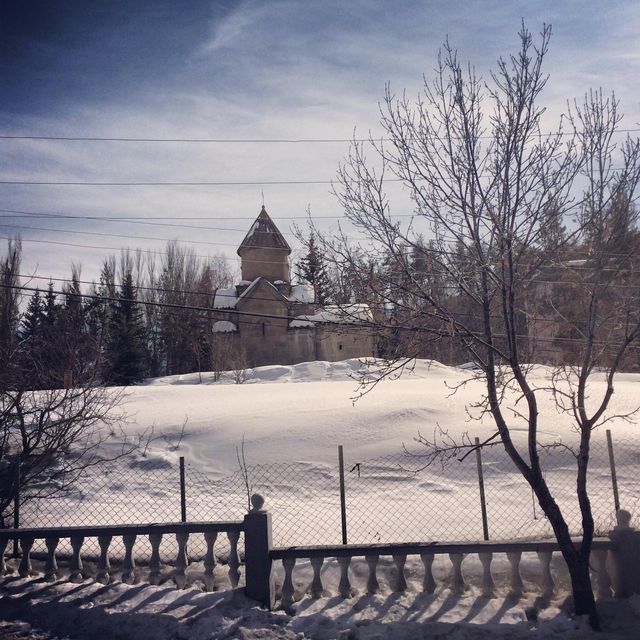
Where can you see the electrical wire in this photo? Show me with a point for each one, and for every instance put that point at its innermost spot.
(203, 183)
(12, 136)
(211, 294)
(344, 326)
(173, 217)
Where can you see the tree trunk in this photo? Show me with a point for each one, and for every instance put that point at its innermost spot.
(584, 602)
(577, 562)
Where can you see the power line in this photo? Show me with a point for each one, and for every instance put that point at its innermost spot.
(149, 303)
(69, 281)
(118, 235)
(20, 212)
(205, 183)
(381, 306)
(207, 257)
(93, 246)
(134, 249)
(344, 326)
(11, 136)
(186, 140)
(143, 221)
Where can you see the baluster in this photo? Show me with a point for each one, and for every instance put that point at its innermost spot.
(428, 583)
(4, 543)
(316, 584)
(103, 562)
(401, 582)
(51, 564)
(457, 580)
(24, 570)
(209, 559)
(287, 585)
(154, 562)
(181, 561)
(487, 581)
(516, 581)
(372, 581)
(75, 574)
(129, 562)
(547, 578)
(234, 560)
(603, 579)
(344, 588)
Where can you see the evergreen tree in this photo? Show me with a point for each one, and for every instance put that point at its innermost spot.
(32, 342)
(33, 318)
(98, 312)
(52, 352)
(312, 269)
(9, 311)
(126, 350)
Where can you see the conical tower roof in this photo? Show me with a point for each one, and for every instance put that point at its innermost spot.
(264, 235)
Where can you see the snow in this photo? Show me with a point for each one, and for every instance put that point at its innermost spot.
(349, 314)
(141, 611)
(297, 414)
(225, 299)
(302, 324)
(320, 411)
(223, 326)
(228, 298)
(302, 293)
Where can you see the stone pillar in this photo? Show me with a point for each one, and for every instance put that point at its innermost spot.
(626, 556)
(257, 545)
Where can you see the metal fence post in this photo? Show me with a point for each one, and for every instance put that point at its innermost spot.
(483, 501)
(183, 493)
(343, 502)
(16, 506)
(614, 478)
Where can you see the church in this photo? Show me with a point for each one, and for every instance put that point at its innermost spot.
(266, 320)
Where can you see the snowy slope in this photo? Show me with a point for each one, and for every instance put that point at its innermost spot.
(301, 412)
(298, 414)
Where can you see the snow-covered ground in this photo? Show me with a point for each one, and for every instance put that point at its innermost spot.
(140, 612)
(292, 418)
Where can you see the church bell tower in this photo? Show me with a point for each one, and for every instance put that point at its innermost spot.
(264, 251)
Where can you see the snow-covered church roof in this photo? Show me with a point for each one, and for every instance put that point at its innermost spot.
(302, 293)
(335, 314)
(225, 299)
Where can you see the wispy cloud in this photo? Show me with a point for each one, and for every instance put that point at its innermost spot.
(252, 69)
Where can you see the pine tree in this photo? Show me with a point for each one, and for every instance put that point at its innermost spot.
(33, 318)
(9, 308)
(312, 269)
(32, 342)
(126, 349)
(98, 311)
(52, 353)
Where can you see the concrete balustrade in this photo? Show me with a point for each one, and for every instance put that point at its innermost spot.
(620, 552)
(130, 535)
(457, 553)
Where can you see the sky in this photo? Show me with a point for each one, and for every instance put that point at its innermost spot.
(254, 72)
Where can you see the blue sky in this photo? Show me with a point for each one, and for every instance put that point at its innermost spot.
(249, 70)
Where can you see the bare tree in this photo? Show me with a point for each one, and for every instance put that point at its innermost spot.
(48, 438)
(483, 176)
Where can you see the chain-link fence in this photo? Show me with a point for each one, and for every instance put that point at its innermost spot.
(395, 498)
